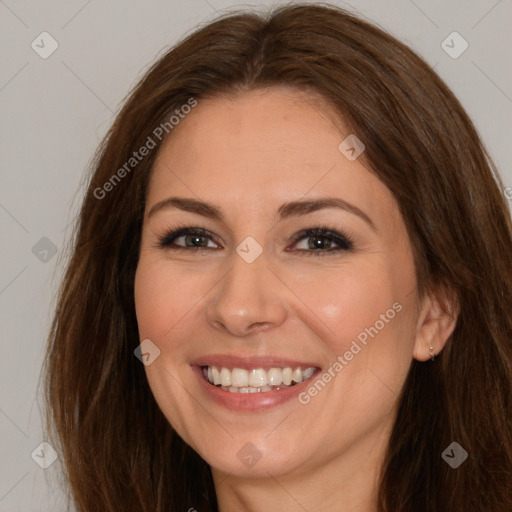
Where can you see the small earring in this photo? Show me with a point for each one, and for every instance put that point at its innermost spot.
(432, 355)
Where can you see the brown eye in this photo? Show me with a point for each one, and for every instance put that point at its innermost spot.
(321, 240)
(188, 238)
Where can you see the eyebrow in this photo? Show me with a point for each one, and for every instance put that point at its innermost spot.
(286, 210)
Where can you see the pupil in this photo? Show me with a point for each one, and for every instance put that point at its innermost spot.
(319, 242)
(195, 240)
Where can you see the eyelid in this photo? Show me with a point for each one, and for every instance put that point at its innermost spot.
(165, 241)
(344, 242)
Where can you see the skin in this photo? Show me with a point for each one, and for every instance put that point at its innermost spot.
(248, 154)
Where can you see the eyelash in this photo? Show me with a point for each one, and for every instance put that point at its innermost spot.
(344, 242)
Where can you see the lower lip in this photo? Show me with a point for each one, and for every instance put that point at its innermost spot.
(250, 401)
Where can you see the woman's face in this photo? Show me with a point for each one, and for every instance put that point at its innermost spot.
(254, 296)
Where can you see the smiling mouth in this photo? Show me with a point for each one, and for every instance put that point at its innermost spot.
(257, 380)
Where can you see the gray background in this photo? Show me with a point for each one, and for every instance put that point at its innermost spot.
(54, 112)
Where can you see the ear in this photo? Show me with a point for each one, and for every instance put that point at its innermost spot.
(437, 318)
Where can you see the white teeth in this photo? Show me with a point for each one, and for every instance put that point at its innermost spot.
(216, 375)
(257, 378)
(225, 377)
(306, 373)
(275, 377)
(297, 375)
(240, 380)
(233, 389)
(287, 376)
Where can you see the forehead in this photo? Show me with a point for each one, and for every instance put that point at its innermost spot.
(265, 147)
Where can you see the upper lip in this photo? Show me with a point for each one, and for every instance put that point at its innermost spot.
(250, 362)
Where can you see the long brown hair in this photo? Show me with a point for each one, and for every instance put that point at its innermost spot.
(119, 451)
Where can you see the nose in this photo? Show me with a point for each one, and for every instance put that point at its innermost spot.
(249, 299)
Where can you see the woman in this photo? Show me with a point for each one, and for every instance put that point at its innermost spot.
(201, 359)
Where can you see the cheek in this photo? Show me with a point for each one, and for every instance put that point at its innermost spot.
(162, 297)
(367, 311)
(348, 300)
